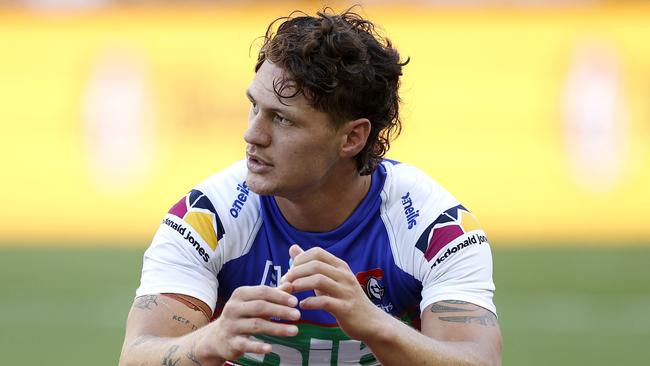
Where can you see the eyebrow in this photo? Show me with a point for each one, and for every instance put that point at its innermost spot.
(285, 112)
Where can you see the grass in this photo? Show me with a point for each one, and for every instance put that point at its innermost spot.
(557, 306)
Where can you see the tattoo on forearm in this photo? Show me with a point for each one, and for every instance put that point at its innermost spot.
(146, 302)
(140, 340)
(167, 360)
(182, 320)
(191, 355)
(477, 314)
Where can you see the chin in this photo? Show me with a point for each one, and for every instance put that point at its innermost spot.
(259, 185)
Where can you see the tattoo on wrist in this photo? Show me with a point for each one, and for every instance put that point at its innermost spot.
(146, 302)
(191, 355)
(476, 314)
(167, 360)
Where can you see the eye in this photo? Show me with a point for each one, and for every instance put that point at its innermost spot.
(254, 107)
(281, 120)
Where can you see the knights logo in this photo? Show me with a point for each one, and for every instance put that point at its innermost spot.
(372, 284)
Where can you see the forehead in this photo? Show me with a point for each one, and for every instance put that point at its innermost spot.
(261, 89)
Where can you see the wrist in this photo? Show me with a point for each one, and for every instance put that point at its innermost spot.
(206, 349)
(380, 328)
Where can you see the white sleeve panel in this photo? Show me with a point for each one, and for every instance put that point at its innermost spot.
(171, 266)
(181, 258)
(463, 275)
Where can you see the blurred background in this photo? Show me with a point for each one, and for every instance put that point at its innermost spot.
(534, 113)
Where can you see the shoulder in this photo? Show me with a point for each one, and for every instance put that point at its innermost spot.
(222, 211)
(424, 218)
(436, 239)
(412, 198)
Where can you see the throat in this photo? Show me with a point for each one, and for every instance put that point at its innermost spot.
(325, 210)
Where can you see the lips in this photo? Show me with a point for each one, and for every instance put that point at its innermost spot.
(258, 160)
(256, 164)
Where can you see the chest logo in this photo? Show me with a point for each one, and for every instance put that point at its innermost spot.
(372, 284)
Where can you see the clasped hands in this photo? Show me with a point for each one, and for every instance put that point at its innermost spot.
(250, 308)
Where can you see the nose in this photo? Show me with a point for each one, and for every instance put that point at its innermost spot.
(256, 133)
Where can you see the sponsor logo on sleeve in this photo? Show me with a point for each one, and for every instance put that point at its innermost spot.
(197, 211)
(409, 211)
(240, 201)
(449, 226)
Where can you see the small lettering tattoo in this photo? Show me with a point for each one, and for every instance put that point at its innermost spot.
(182, 320)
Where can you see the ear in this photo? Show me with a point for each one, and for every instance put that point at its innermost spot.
(354, 136)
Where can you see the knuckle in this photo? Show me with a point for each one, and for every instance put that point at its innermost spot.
(256, 325)
(321, 279)
(238, 344)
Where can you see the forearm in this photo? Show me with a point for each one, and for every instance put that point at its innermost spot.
(166, 351)
(395, 343)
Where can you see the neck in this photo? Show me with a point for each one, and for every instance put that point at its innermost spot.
(328, 206)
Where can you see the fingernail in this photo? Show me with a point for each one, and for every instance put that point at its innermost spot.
(295, 314)
(293, 301)
(292, 330)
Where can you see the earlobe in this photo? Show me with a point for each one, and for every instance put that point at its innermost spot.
(355, 136)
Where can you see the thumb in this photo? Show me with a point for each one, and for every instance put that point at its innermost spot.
(294, 251)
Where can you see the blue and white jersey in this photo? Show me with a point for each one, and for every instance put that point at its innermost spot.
(409, 242)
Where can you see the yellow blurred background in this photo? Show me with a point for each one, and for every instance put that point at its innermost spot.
(536, 118)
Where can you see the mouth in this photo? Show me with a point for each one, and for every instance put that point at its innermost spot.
(256, 164)
(257, 159)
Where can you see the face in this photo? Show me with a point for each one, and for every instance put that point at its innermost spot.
(292, 149)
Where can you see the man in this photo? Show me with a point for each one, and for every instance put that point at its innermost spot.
(315, 250)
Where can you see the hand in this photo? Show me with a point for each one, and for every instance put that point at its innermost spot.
(337, 291)
(248, 312)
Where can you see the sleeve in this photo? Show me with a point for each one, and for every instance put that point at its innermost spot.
(437, 240)
(182, 256)
(457, 260)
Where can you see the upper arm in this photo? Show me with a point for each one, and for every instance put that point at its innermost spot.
(461, 321)
(168, 315)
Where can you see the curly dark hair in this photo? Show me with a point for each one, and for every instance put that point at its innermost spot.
(344, 68)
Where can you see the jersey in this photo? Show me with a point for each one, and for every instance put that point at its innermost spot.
(409, 242)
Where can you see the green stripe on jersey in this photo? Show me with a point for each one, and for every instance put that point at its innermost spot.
(314, 345)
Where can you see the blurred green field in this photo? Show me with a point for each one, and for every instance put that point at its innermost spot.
(562, 306)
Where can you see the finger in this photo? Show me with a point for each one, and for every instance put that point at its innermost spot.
(265, 309)
(295, 250)
(253, 326)
(244, 344)
(319, 254)
(285, 286)
(311, 268)
(323, 302)
(270, 294)
(318, 282)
